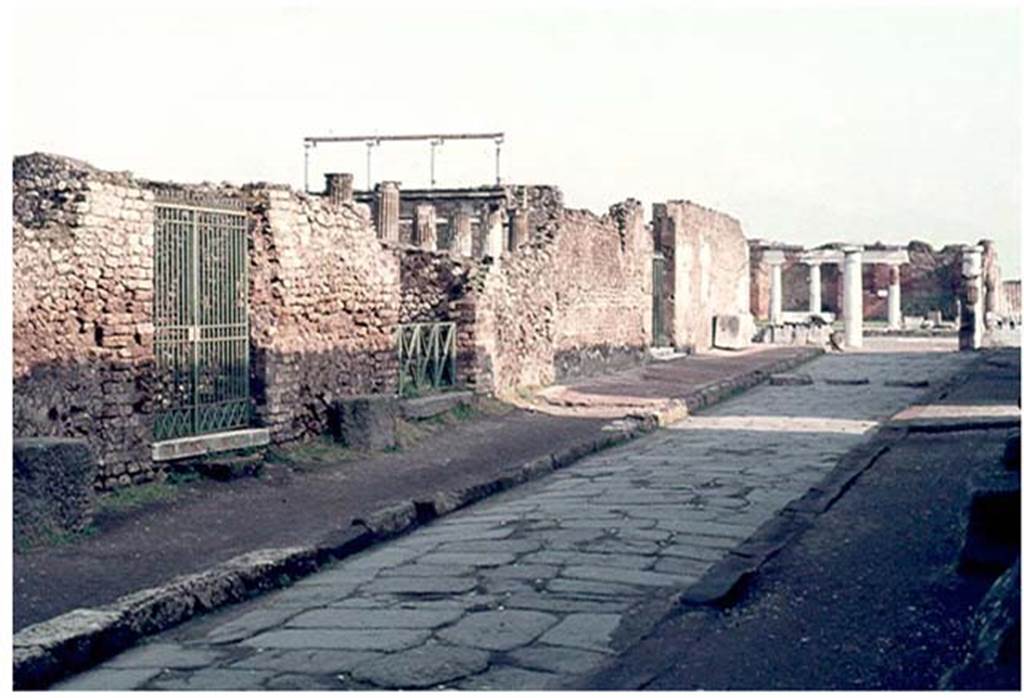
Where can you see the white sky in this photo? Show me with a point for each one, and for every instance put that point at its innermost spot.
(809, 124)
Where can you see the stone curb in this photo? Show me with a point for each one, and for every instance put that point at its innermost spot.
(77, 640)
(728, 580)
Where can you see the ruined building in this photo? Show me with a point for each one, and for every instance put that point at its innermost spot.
(158, 320)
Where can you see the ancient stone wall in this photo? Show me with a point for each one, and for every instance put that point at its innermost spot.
(437, 287)
(325, 298)
(1011, 299)
(574, 299)
(83, 326)
(707, 270)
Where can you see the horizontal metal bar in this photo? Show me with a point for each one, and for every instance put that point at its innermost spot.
(424, 137)
(240, 213)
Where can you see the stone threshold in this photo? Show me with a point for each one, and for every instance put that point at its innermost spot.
(192, 446)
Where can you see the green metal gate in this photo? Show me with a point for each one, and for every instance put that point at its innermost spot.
(658, 334)
(426, 356)
(201, 319)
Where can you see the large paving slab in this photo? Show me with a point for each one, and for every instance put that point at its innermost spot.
(533, 587)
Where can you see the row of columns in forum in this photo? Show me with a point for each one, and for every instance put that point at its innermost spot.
(494, 222)
(852, 260)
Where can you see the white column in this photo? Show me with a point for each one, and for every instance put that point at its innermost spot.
(895, 313)
(774, 259)
(853, 297)
(815, 288)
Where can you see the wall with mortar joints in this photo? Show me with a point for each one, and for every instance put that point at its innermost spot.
(325, 298)
(573, 288)
(83, 326)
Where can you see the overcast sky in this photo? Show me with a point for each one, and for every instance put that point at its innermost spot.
(814, 124)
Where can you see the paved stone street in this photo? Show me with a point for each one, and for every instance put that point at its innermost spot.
(532, 589)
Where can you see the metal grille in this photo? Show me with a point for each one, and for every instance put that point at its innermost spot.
(658, 302)
(201, 318)
(426, 356)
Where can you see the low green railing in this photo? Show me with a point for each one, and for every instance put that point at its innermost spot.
(426, 356)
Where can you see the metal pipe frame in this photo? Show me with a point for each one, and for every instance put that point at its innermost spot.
(435, 139)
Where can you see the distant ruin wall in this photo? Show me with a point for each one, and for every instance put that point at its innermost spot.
(708, 272)
(83, 325)
(574, 299)
(1011, 298)
(795, 280)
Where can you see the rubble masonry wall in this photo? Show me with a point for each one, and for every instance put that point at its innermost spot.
(574, 299)
(83, 294)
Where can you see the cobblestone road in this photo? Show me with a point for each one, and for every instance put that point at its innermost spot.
(533, 588)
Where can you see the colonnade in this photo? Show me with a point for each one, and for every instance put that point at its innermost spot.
(852, 258)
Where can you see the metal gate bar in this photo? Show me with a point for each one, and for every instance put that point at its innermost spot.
(201, 321)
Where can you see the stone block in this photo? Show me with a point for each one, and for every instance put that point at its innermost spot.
(734, 331)
(365, 422)
(433, 405)
(790, 379)
(992, 537)
(53, 487)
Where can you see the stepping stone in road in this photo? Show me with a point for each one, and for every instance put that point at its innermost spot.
(790, 379)
(906, 384)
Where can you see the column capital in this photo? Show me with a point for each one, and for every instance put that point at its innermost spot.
(773, 257)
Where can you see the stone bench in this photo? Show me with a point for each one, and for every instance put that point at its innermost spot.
(53, 488)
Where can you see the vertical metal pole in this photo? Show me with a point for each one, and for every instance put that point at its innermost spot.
(305, 168)
(369, 152)
(497, 161)
(433, 148)
(194, 322)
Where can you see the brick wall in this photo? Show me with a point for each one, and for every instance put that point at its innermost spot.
(83, 292)
(574, 299)
(325, 297)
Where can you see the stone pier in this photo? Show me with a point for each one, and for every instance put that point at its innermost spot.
(462, 232)
(853, 299)
(386, 211)
(494, 234)
(519, 230)
(971, 300)
(338, 187)
(425, 227)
